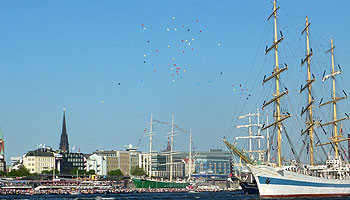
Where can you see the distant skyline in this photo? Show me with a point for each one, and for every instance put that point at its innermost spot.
(112, 63)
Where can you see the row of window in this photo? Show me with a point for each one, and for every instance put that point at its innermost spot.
(73, 155)
(46, 164)
(46, 159)
(75, 160)
(42, 159)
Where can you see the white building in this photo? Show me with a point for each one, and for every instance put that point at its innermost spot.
(97, 163)
(38, 161)
(16, 162)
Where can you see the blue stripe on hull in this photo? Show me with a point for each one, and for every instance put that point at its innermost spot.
(278, 181)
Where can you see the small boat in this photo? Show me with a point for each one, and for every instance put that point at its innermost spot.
(249, 187)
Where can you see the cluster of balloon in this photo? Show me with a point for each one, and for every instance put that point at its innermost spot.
(173, 45)
(239, 88)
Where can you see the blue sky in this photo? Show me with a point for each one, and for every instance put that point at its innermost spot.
(74, 54)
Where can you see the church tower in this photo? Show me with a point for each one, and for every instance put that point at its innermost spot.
(64, 145)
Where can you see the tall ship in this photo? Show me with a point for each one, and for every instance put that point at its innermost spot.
(150, 182)
(293, 178)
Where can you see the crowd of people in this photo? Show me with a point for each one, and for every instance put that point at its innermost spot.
(80, 188)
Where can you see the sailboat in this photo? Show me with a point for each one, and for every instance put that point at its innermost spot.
(248, 184)
(301, 180)
(152, 183)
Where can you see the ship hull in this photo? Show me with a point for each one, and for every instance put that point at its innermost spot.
(144, 183)
(276, 182)
(249, 188)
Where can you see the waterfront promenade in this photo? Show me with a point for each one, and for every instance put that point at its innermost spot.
(78, 188)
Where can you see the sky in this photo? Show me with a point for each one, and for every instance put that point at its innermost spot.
(112, 63)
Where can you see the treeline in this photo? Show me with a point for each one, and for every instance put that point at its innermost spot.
(22, 171)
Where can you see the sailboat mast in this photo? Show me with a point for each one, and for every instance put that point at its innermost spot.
(335, 131)
(250, 136)
(335, 139)
(309, 119)
(259, 134)
(150, 146)
(150, 135)
(190, 157)
(278, 109)
(277, 95)
(171, 148)
(267, 138)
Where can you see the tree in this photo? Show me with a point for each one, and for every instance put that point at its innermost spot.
(2, 173)
(137, 171)
(22, 171)
(50, 171)
(76, 171)
(90, 172)
(117, 172)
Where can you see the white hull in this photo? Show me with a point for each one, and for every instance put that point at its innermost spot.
(277, 182)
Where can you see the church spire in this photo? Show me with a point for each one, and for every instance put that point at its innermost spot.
(64, 145)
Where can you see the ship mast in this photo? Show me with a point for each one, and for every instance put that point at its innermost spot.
(276, 75)
(251, 136)
(335, 139)
(171, 148)
(190, 157)
(309, 120)
(267, 138)
(151, 133)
